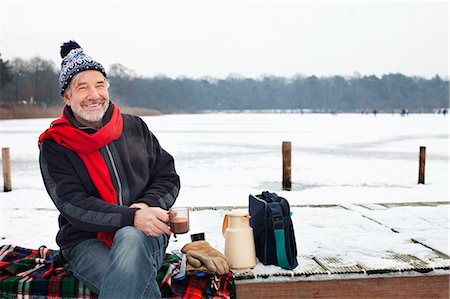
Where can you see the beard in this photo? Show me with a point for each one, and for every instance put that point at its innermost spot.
(91, 116)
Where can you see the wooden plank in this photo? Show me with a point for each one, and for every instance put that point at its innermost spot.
(335, 265)
(372, 206)
(437, 252)
(382, 206)
(398, 287)
(416, 263)
(308, 266)
(399, 262)
(414, 204)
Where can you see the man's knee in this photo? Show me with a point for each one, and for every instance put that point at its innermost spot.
(134, 240)
(132, 248)
(129, 234)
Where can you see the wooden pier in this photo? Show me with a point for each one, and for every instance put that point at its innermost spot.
(407, 262)
(382, 287)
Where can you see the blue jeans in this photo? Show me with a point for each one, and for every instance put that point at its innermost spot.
(127, 270)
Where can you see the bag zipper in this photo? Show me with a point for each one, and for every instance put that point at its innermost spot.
(265, 226)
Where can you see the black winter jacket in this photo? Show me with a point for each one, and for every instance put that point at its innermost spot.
(141, 171)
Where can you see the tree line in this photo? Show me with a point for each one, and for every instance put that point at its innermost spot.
(35, 81)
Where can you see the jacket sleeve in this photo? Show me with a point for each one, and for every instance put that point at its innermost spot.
(164, 183)
(69, 186)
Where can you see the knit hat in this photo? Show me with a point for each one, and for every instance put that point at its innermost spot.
(75, 61)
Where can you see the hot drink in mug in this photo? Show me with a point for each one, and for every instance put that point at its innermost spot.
(179, 220)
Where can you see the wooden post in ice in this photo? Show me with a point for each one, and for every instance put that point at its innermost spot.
(422, 155)
(286, 151)
(6, 169)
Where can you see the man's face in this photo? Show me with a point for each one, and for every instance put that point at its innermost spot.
(88, 98)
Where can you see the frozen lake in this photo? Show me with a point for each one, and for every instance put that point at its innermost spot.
(221, 158)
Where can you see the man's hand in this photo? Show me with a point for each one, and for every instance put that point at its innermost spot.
(151, 220)
(139, 205)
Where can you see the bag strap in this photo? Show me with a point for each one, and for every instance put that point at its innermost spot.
(278, 229)
(281, 249)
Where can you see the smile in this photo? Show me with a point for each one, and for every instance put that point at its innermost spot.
(92, 104)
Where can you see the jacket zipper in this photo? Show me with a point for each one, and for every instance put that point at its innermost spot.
(116, 174)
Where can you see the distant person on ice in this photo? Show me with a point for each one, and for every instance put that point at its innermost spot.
(111, 181)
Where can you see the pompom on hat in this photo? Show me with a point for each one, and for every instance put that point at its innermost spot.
(75, 61)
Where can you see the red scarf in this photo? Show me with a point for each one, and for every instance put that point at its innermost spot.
(87, 146)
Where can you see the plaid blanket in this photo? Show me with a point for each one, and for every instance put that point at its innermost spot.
(40, 273)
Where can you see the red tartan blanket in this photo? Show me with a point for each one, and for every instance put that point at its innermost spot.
(40, 273)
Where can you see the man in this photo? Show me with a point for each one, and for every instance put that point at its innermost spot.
(112, 183)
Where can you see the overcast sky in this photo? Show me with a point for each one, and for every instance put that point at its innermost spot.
(197, 39)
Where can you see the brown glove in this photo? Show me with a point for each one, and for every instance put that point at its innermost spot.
(202, 257)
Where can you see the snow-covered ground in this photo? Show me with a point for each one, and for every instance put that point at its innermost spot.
(347, 159)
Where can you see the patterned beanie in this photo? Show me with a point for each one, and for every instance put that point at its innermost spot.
(75, 61)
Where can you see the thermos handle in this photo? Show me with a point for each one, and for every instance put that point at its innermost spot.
(225, 224)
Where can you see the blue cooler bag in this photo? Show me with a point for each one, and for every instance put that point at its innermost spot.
(273, 230)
